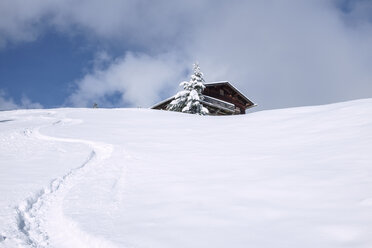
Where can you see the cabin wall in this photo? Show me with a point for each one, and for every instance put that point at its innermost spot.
(225, 94)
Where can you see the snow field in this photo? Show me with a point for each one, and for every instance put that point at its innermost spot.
(143, 178)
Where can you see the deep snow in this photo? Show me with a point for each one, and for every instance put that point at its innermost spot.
(297, 177)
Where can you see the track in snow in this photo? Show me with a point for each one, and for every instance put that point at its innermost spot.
(32, 214)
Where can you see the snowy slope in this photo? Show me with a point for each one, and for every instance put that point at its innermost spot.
(297, 177)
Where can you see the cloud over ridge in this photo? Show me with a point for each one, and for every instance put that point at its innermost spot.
(281, 53)
(8, 103)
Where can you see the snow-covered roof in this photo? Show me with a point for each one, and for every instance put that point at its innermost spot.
(232, 86)
(162, 102)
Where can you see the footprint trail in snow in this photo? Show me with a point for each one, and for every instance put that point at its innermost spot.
(43, 212)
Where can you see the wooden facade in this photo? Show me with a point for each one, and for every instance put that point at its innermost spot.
(220, 98)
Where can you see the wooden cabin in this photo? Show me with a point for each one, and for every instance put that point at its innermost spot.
(220, 98)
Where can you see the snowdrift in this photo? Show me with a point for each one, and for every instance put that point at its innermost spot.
(298, 177)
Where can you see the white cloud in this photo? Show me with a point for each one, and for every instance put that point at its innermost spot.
(280, 53)
(137, 22)
(21, 20)
(288, 53)
(26, 103)
(137, 78)
(7, 103)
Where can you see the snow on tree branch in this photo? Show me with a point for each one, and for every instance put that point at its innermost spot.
(189, 99)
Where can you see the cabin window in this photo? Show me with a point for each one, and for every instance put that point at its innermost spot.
(222, 92)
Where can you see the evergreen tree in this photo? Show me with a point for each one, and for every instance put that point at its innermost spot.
(188, 100)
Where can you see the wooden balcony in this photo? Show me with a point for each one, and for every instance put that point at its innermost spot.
(219, 104)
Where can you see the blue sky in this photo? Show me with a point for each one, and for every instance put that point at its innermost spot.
(43, 70)
(134, 53)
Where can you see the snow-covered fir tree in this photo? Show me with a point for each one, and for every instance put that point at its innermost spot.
(188, 100)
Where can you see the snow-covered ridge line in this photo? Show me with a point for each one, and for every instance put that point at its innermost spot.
(32, 220)
(273, 178)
